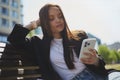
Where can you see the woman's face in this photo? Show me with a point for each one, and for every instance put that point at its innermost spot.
(56, 20)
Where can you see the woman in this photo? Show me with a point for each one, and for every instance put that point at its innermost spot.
(57, 52)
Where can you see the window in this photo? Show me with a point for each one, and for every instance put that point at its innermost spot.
(5, 22)
(3, 38)
(14, 14)
(14, 3)
(5, 1)
(5, 11)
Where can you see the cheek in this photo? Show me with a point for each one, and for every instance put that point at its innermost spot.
(52, 27)
(51, 24)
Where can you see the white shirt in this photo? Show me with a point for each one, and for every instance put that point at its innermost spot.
(58, 63)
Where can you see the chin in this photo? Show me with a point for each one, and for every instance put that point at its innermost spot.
(61, 30)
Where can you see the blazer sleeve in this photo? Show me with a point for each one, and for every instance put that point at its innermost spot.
(18, 38)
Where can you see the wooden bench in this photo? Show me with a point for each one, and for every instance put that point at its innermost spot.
(16, 65)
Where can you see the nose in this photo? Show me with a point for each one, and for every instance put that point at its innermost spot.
(57, 19)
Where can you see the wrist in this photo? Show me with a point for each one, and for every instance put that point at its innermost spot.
(38, 22)
(97, 62)
(33, 25)
(29, 26)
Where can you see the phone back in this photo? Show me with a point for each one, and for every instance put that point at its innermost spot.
(86, 44)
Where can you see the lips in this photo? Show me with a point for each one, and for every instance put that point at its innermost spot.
(59, 25)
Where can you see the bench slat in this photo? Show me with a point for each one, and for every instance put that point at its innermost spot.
(22, 77)
(16, 64)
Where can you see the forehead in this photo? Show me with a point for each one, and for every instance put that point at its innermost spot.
(54, 10)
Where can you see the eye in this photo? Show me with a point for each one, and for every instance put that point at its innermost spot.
(51, 18)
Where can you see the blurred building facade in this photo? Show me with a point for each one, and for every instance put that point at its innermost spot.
(11, 12)
(114, 46)
(97, 39)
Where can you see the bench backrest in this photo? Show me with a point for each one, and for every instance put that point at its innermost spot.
(16, 65)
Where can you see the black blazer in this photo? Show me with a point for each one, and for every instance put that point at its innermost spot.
(41, 48)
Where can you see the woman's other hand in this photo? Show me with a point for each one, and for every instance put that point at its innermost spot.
(38, 22)
(33, 25)
(91, 58)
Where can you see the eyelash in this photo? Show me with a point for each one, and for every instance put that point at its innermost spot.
(58, 17)
(51, 19)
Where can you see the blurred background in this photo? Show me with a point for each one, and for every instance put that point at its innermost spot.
(99, 18)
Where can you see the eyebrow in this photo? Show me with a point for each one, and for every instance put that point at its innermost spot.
(59, 13)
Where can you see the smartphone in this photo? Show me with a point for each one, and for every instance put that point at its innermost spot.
(86, 44)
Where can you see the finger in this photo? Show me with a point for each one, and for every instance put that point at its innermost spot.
(87, 53)
(95, 55)
(89, 56)
(93, 51)
(87, 61)
(33, 24)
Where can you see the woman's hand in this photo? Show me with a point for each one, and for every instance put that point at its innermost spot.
(33, 25)
(91, 58)
(38, 22)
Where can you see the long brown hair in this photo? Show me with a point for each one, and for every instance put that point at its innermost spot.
(66, 34)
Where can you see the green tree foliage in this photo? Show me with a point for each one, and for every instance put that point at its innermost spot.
(113, 57)
(118, 56)
(110, 56)
(104, 52)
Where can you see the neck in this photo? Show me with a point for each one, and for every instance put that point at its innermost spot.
(57, 36)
